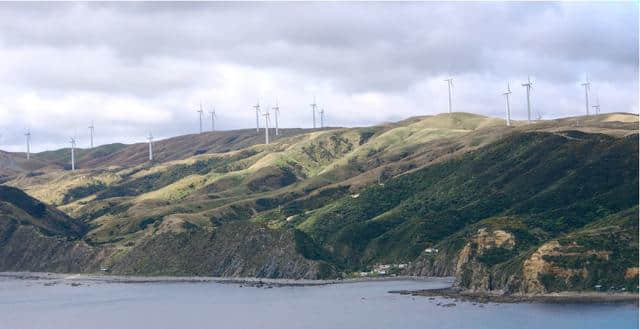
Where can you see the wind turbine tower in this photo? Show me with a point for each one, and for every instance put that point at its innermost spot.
(528, 86)
(450, 84)
(276, 112)
(73, 156)
(28, 135)
(200, 116)
(506, 96)
(257, 108)
(322, 117)
(213, 119)
(150, 139)
(597, 106)
(587, 86)
(91, 133)
(313, 108)
(266, 127)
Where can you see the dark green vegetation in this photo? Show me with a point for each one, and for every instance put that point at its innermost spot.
(553, 183)
(604, 249)
(531, 208)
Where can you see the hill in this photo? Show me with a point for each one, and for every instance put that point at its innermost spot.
(36, 236)
(492, 199)
(123, 155)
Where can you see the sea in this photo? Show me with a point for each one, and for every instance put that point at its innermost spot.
(63, 304)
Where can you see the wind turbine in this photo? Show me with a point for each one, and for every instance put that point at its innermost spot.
(150, 139)
(587, 86)
(528, 85)
(506, 96)
(200, 116)
(91, 133)
(73, 157)
(276, 112)
(322, 117)
(597, 106)
(257, 108)
(213, 119)
(313, 108)
(266, 127)
(450, 84)
(28, 135)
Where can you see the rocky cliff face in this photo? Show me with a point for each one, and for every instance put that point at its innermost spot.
(473, 259)
(234, 249)
(601, 256)
(27, 248)
(472, 269)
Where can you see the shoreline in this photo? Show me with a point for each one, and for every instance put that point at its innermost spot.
(75, 277)
(565, 297)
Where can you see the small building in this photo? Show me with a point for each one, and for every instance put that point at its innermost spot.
(431, 251)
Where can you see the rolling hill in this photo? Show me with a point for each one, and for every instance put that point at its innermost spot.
(123, 155)
(524, 209)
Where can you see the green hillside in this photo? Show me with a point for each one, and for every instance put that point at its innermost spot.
(554, 183)
(501, 204)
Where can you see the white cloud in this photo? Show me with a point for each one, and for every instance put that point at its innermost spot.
(139, 67)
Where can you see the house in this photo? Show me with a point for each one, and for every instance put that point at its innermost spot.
(382, 269)
(431, 251)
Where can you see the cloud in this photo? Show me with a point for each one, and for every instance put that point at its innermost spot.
(139, 67)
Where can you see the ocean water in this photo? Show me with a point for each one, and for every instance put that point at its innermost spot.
(30, 304)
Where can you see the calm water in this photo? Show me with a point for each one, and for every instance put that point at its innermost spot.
(29, 304)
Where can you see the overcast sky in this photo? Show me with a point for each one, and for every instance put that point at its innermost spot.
(135, 68)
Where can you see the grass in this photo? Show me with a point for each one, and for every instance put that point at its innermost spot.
(444, 177)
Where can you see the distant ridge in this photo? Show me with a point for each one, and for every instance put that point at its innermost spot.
(118, 154)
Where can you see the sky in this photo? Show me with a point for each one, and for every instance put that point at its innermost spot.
(136, 68)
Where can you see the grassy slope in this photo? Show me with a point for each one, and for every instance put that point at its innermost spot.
(551, 183)
(35, 236)
(16, 207)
